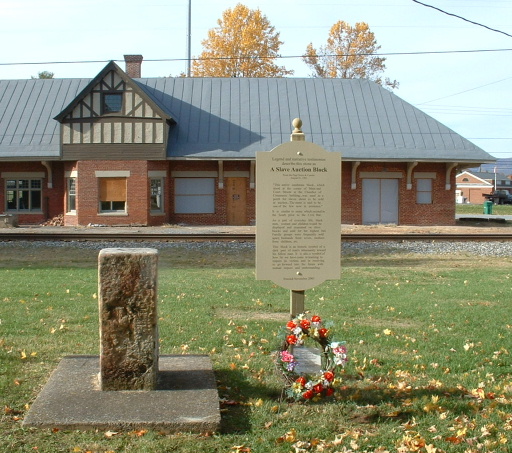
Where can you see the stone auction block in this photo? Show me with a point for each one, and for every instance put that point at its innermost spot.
(127, 293)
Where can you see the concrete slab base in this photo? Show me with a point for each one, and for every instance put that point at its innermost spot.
(186, 399)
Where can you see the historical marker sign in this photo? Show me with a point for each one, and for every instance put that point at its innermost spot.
(298, 212)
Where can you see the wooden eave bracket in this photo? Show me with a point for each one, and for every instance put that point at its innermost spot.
(355, 166)
(221, 174)
(410, 168)
(252, 175)
(449, 169)
(48, 167)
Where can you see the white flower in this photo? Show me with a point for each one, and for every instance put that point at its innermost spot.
(339, 360)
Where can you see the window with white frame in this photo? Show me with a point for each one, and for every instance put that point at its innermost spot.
(71, 195)
(24, 195)
(157, 195)
(112, 195)
(194, 195)
(424, 191)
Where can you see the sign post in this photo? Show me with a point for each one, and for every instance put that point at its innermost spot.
(298, 212)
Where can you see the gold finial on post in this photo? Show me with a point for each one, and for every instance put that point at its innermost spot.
(297, 134)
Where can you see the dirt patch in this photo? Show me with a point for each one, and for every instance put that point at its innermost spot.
(383, 323)
(180, 256)
(251, 315)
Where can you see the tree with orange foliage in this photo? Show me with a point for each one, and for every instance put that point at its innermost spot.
(349, 54)
(243, 45)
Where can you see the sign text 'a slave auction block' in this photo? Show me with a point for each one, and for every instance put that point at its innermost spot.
(298, 212)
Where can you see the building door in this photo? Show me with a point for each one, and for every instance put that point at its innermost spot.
(236, 206)
(380, 201)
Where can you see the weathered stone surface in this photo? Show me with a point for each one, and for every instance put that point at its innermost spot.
(8, 221)
(127, 293)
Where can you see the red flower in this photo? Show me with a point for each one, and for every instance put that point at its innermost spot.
(301, 380)
(329, 391)
(322, 332)
(291, 325)
(308, 394)
(316, 319)
(329, 376)
(318, 388)
(305, 324)
(291, 339)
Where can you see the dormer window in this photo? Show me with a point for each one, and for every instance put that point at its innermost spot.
(112, 102)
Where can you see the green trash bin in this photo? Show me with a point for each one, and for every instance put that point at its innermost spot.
(488, 207)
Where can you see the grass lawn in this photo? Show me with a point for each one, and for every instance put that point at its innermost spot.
(429, 344)
(503, 209)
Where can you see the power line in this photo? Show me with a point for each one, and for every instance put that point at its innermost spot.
(462, 18)
(161, 60)
(55, 62)
(465, 91)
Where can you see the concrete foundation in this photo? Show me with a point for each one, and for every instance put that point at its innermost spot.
(185, 400)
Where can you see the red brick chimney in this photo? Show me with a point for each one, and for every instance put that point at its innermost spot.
(133, 65)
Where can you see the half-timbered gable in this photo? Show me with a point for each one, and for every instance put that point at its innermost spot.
(112, 119)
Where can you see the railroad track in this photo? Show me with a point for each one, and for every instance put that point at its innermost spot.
(245, 237)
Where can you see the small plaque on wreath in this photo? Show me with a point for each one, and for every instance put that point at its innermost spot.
(333, 354)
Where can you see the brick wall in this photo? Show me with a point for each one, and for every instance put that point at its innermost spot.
(51, 199)
(220, 215)
(54, 198)
(440, 212)
(351, 200)
(442, 209)
(88, 195)
(472, 188)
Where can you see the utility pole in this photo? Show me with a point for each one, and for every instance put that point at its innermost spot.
(189, 38)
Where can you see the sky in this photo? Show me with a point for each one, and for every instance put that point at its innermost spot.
(457, 72)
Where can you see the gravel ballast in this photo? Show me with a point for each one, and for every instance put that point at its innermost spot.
(478, 248)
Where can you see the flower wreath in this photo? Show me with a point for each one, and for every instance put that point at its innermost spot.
(333, 357)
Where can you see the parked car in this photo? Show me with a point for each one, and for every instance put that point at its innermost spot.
(499, 197)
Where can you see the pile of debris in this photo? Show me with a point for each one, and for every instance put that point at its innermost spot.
(58, 220)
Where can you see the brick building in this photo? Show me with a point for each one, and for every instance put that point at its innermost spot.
(472, 185)
(124, 150)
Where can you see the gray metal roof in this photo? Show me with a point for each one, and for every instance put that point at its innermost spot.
(488, 175)
(221, 118)
(27, 108)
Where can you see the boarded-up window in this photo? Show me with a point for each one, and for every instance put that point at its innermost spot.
(194, 195)
(112, 194)
(424, 191)
(380, 201)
